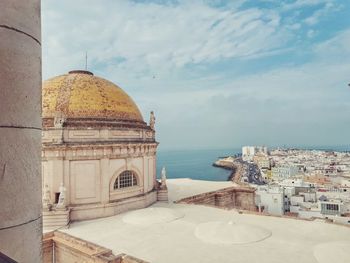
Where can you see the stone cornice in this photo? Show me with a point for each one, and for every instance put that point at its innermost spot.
(65, 135)
(101, 123)
(98, 151)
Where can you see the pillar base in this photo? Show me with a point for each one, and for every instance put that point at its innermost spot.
(55, 219)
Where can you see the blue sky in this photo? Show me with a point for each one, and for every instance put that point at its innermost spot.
(218, 74)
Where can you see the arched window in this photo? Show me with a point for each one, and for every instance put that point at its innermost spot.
(125, 179)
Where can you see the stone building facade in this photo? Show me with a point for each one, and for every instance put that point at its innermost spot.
(97, 151)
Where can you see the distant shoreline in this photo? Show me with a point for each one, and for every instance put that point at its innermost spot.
(234, 167)
(232, 175)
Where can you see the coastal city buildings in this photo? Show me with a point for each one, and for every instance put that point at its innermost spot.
(292, 182)
(302, 183)
(284, 171)
(248, 152)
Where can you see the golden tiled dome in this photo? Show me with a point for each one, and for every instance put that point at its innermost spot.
(80, 94)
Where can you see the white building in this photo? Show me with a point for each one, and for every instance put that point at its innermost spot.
(333, 207)
(271, 200)
(248, 152)
(284, 171)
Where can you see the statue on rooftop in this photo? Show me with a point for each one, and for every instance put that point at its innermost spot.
(162, 194)
(152, 120)
(62, 198)
(163, 178)
(46, 198)
(59, 120)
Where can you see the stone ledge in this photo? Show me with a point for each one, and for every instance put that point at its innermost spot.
(67, 248)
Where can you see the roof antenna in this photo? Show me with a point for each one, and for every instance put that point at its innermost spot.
(86, 57)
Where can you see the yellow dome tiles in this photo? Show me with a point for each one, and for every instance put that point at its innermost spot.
(82, 95)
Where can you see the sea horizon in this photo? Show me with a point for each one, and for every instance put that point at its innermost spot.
(197, 164)
(340, 148)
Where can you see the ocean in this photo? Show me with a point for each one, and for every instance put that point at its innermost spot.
(195, 164)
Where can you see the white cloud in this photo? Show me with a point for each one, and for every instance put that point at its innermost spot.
(304, 3)
(338, 46)
(300, 105)
(130, 42)
(152, 37)
(311, 33)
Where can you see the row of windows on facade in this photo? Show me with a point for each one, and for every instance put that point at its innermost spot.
(332, 207)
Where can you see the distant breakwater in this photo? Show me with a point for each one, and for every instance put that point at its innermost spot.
(226, 167)
(234, 166)
(233, 173)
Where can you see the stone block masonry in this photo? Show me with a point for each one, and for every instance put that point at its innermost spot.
(227, 198)
(20, 130)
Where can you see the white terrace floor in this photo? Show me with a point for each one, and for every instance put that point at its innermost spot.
(170, 233)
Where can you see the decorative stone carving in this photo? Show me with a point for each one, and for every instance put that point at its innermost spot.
(59, 120)
(152, 120)
(47, 204)
(62, 198)
(162, 194)
(163, 179)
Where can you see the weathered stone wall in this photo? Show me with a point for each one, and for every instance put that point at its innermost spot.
(20, 130)
(245, 200)
(227, 198)
(201, 199)
(47, 247)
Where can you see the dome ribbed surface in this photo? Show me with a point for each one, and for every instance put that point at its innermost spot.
(80, 94)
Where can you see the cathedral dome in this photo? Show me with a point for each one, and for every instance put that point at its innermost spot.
(80, 95)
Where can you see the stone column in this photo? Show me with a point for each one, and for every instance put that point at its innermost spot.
(66, 181)
(105, 177)
(146, 175)
(20, 130)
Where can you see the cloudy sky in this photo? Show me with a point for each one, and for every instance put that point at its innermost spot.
(218, 74)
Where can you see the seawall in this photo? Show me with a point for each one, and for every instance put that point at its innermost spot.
(233, 164)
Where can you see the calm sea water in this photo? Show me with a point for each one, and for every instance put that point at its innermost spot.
(195, 164)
